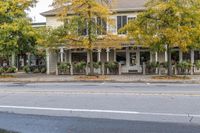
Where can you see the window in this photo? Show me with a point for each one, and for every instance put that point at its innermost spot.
(82, 28)
(101, 26)
(121, 22)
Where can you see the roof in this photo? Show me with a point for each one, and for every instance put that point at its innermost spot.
(119, 6)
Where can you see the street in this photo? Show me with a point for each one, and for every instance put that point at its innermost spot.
(100, 107)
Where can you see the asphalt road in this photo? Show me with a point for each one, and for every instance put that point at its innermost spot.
(100, 107)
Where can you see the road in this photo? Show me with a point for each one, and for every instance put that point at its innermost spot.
(100, 107)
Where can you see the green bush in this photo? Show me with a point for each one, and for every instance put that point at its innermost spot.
(79, 66)
(197, 64)
(11, 70)
(164, 65)
(43, 70)
(27, 69)
(36, 70)
(151, 67)
(64, 67)
(184, 65)
(96, 65)
(1, 70)
(112, 66)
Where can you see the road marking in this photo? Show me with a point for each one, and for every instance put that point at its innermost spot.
(142, 93)
(98, 111)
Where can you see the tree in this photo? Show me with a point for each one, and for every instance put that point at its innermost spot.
(17, 34)
(166, 24)
(85, 22)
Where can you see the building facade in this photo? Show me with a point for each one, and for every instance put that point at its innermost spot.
(131, 58)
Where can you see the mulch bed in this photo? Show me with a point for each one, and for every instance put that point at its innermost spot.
(171, 77)
(92, 78)
(7, 76)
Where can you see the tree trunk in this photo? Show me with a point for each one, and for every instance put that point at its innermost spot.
(169, 61)
(90, 40)
(18, 62)
(91, 63)
(25, 59)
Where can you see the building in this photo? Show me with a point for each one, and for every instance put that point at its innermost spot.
(131, 58)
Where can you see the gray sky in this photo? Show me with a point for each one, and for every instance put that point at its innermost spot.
(42, 5)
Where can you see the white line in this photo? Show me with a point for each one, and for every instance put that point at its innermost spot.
(98, 111)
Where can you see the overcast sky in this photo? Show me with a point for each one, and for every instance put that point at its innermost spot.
(42, 5)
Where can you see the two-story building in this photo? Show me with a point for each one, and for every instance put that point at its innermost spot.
(131, 58)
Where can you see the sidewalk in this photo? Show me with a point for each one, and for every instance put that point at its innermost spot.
(22, 77)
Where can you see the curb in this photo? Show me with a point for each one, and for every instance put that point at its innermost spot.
(102, 81)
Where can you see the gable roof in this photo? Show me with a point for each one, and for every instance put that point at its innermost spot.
(119, 6)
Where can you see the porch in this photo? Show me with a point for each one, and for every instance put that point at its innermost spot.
(130, 60)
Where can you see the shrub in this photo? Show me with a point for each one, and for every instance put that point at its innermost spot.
(164, 65)
(64, 67)
(151, 67)
(36, 70)
(79, 66)
(197, 64)
(11, 70)
(1, 70)
(43, 70)
(111, 66)
(27, 69)
(96, 65)
(184, 65)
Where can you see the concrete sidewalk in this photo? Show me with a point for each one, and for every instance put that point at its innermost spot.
(22, 77)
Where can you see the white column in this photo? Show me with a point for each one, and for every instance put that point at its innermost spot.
(61, 54)
(70, 61)
(192, 62)
(29, 58)
(138, 56)
(13, 59)
(180, 56)
(115, 55)
(156, 56)
(70, 56)
(166, 60)
(156, 60)
(108, 54)
(151, 56)
(127, 57)
(88, 57)
(99, 55)
(48, 60)
(166, 54)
